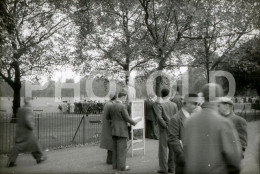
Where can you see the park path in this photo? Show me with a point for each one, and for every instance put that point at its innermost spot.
(91, 159)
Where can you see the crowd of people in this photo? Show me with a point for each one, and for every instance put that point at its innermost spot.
(194, 137)
(81, 107)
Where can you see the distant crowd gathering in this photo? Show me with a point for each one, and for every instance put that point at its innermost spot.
(81, 107)
(195, 137)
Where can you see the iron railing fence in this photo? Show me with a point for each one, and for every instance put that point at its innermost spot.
(55, 130)
(58, 130)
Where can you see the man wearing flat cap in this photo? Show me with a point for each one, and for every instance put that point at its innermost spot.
(176, 123)
(225, 108)
(106, 141)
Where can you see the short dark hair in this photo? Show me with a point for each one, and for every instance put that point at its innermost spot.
(211, 86)
(165, 92)
(122, 94)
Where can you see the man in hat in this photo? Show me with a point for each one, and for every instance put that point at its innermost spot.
(210, 141)
(119, 117)
(25, 140)
(176, 128)
(165, 110)
(226, 109)
(106, 141)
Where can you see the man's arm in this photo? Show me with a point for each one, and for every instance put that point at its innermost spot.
(106, 112)
(174, 136)
(126, 116)
(242, 133)
(158, 110)
(29, 121)
(230, 147)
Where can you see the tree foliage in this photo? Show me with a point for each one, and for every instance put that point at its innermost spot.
(30, 40)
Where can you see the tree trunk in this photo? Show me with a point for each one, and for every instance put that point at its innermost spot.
(159, 79)
(16, 88)
(16, 101)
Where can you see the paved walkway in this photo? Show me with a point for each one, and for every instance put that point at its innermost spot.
(91, 159)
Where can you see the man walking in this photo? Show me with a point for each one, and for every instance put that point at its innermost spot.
(176, 128)
(119, 117)
(225, 108)
(25, 140)
(165, 110)
(106, 141)
(210, 142)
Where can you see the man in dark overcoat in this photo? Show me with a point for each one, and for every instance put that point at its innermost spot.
(119, 117)
(225, 108)
(25, 140)
(176, 123)
(106, 141)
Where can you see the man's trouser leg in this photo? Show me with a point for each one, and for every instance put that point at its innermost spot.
(37, 154)
(114, 157)
(163, 150)
(171, 159)
(109, 157)
(14, 154)
(121, 153)
(148, 129)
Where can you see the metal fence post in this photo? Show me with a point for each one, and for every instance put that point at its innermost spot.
(38, 127)
(83, 129)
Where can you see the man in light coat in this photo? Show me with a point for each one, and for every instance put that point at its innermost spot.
(225, 108)
(106, 141)
(210, 141)
(165, 110)
(25, 140)
(190, 102)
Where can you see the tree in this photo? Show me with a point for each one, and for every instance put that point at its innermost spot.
(28, 31)
(115, 39)
(166, 23)
(244, 65)
(221, 27)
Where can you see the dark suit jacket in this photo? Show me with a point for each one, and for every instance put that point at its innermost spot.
(164, 112)
(178, 101)
(148, 110)
(176, 132)
(119, 117)
(241, 127)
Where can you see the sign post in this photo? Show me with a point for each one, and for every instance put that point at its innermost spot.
(137, 112)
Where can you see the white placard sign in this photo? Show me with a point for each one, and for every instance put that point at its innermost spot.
(137, 113)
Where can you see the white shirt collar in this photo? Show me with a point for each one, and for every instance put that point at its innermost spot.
(186, 113)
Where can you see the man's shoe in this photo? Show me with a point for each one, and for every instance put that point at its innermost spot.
(11, 164)
(127, 168)
(41, 159)
(160, 171)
